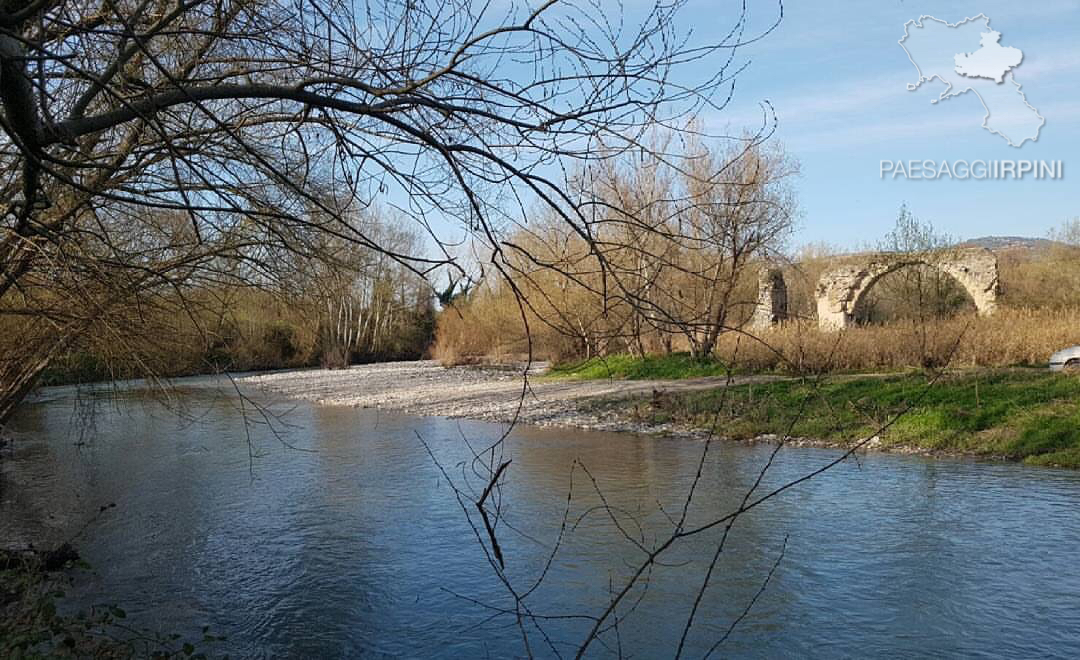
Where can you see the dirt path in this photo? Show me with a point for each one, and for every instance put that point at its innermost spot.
(428, 389)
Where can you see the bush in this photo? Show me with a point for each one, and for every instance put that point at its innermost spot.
(77, 367)
(333, 356)
(278, 343)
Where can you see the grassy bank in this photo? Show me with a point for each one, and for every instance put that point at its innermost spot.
(673, 366)
(1025, 415)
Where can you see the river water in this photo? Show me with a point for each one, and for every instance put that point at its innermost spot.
(333, 533)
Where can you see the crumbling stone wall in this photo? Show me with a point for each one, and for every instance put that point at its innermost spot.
(772, 304)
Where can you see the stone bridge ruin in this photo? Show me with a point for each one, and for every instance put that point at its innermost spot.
(842, 286)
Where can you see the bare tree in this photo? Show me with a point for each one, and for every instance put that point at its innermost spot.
(741, 210)
(919, 291)
(1068, 232)
(262, 124)
(362, 301)
(676, 238)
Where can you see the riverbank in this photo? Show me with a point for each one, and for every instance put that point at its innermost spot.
(1011, 414)
(493, 394)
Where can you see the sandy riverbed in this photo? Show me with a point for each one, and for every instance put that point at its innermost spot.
(427, 388)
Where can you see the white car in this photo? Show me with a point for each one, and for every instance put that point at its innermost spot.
(1067, 359)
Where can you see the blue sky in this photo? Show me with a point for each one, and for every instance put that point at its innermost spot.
(837, 78)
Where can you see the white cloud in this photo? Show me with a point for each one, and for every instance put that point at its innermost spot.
(1043, 64)
(828, 104)
(896, 129)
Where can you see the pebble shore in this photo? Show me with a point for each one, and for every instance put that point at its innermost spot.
(426, 388)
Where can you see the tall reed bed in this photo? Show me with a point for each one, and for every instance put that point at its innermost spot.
(1007, 338)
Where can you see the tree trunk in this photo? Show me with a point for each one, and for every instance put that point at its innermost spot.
(21, 374)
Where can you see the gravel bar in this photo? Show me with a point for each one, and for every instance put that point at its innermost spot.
(426, 388)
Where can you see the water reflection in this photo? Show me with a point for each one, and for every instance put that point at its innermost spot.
(352, 542)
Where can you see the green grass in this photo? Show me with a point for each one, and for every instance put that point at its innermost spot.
(653, 367)
(1026, 415)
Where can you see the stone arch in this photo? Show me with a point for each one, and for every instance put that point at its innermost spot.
(841, 287)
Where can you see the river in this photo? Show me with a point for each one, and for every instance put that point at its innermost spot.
(333, 533)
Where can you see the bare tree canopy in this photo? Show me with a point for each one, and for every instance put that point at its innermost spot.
(148, 143)
(676, 237)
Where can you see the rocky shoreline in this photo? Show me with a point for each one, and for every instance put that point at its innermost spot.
(501, 395)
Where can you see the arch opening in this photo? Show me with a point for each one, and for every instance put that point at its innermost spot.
(911, 291)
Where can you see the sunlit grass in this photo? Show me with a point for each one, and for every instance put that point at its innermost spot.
(653, 367)
(1018, 414)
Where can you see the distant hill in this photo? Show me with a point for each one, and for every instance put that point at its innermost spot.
(1017, 246)
(1010, 243)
